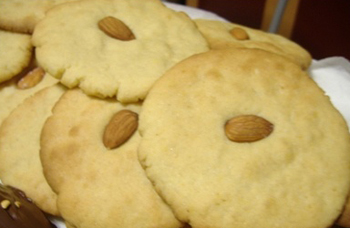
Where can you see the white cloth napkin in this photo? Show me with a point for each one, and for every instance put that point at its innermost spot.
(333, 76)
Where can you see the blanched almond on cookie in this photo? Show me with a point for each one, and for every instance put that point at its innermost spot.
(115, 28)
(31, 79)
(239, 33)
(120, 128)
(247, 128)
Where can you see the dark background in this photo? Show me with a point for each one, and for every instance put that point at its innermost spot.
(321, 26)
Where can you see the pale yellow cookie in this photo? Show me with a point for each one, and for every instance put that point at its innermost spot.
(222, 34)
(22, 15)
(244, 138)
(11, 95)
(98, 187)
(74, 43)
(15, 54)
(20, 164)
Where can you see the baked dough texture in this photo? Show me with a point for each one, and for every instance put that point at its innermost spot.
(20, 164)
(15, 54)
(98, 187)
(298, 176)
(71, 47)
(218, 36)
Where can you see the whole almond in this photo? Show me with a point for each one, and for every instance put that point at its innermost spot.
(247, 128)
(239, 33)
(115, 28)
(120, 128)
(31, 79)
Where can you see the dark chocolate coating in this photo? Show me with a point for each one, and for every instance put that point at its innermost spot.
(21, 212)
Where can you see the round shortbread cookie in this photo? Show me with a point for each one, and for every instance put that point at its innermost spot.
(219, 36)
(297, 176)
(22, 15)
(98, 187)
(15, 54)
(11, 96)
(71, 46)
(20, 164)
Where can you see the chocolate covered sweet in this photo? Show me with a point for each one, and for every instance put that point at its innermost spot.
(19, 211)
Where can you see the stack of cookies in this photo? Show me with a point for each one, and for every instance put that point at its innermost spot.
(128, 114)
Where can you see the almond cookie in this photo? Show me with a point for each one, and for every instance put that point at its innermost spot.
(20, 164)
(15, 54)
(13, 92)
(222, 34)
(240, 137)
(22, 15)
(97, 186)
(116, 47)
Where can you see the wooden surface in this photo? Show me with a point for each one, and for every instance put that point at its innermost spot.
(287, 21)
